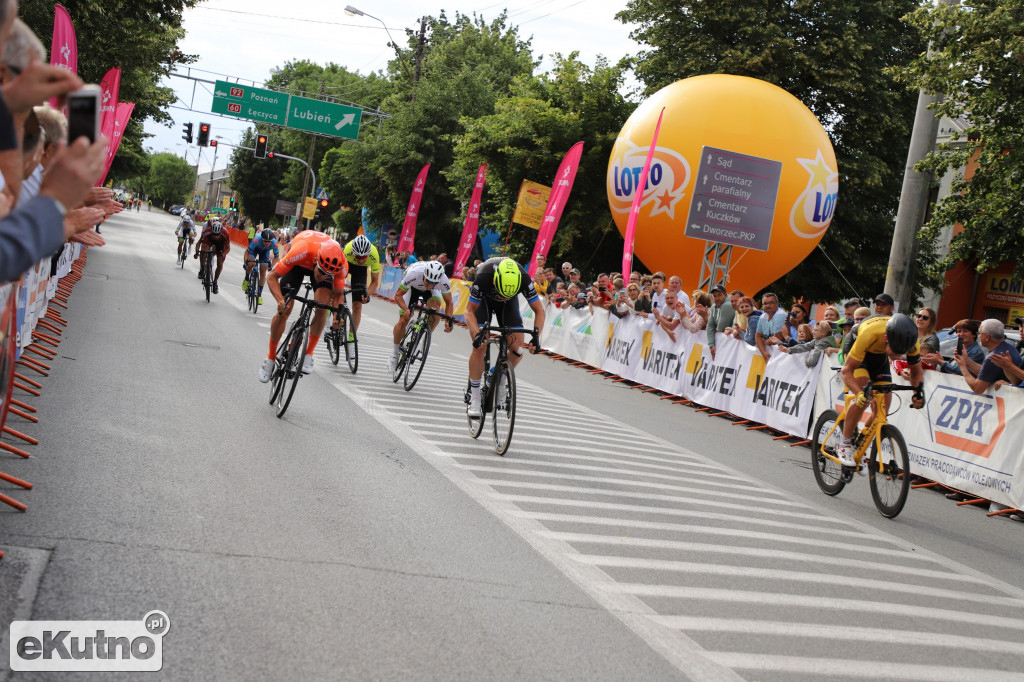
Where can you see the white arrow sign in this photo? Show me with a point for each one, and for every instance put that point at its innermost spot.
(347, 119)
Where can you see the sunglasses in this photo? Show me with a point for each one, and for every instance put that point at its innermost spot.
(923, 317)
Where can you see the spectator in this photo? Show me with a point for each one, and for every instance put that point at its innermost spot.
(618, 284)
(668, 316)
(541, 260)
(642, 302)
(469, 274)
(734, 300)
(831, 314)
(850, 307)
(566, 269)
(391, 255)
(634, 277)
(884, 304)
(658, 291)
(599, 294)
(577, 298)
(966, 331)
(622, 306)
(797, 316)
(540, 282)
(902, 367)
(991, 337)
(720, 317)
(926, 328)
(769, 326)
(817, 343)
(676, 285)
(574, 278)
(697, 320)
(557, 297)
(845, 327)
(1013, 371)
(861, 314)
(449, 266)
(745, 312)
(553, 279)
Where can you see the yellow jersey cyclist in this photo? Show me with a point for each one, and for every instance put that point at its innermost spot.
(496, 291)
(363, 259)
(423, 280)
(875, 340)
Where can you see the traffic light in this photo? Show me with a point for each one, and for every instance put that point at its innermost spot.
(323, 210)
(270, 155)
(213, 143)
(187, 129)
(203, 138)
(261, 147)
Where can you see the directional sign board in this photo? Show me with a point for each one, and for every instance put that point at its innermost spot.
(734, 199)
(326, 118)
(288, 111)
(255, 104)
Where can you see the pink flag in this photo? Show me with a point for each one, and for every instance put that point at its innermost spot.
(405, 243)
(110, 88)
(469, 231)
(64, 48)
(124, 112)
(556, 202)
(638, 198)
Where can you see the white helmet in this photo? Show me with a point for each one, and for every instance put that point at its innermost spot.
(361, 246)
(216, 227)
(433, 272)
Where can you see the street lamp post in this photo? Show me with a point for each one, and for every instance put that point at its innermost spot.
(353, 12)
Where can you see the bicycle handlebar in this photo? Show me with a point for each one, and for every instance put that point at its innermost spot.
(430, 311)
(294, 296)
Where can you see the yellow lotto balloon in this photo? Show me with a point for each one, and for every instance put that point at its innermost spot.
(738, 161)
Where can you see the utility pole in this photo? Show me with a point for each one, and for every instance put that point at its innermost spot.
(209, 187)
(913, 198)
(420, 45)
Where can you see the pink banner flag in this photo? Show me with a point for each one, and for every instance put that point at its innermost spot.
(638, 198)
(124, 112)
(556, 203)
(472, 226)
(405, 243)
(64, 48)
(110, 88)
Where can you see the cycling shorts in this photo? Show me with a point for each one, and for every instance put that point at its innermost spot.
(874, 367)
(262, 259)
(507, 312)
(358, 275)
(293, 280)
(414, 295)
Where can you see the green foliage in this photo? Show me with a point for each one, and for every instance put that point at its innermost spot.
(141, 37)
(976, 64)
(170, 179)
(835, 57)
(256, 181)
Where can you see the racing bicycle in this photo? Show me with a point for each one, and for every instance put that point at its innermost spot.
(497, 387)
(412, 351)
(343, 337)
(290, 352)
(207, 271)
(183, 255)
(881, 449)
(252, 291)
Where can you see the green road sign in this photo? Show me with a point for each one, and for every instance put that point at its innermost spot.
(325, 118)
(255, 104)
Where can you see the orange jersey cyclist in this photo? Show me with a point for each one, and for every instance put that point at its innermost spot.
(216, 239)
(424, 280)
(363, 264)
(317, 256)
(496, 291)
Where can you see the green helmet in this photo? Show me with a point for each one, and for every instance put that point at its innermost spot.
(507, 278)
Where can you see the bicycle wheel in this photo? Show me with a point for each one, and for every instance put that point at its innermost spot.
(827, 472)
(253, 289)
(503, 395)
(333, 347)
(277, 379)
(476, 424)
(208, 278)
(348, 339)
(404, 349)
(293, 370)
(417, 357)
(889, 472)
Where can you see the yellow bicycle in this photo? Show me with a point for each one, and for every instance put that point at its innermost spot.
(888, 464)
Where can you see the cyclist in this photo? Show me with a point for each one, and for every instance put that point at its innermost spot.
(496, 289)
(363, 258)
(874, 341)
(423, 280)
(217, 239)
(312, 254)
(186, 230)
(259, 252)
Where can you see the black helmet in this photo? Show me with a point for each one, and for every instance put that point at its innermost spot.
(901, 333)
(267, 235)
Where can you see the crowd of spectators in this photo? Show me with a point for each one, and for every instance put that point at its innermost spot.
(47, 186)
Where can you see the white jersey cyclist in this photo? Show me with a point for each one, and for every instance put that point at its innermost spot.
(414, 279)
(423, 281)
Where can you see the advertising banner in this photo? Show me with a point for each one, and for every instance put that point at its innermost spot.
(564, 178)
(533, 199)
(408, 239)
(64, 48)
(472, 225)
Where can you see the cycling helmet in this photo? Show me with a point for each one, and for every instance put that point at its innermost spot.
(901, 333)
(508, 277)
(216, 227)
(267, 235)
(331, 258)
(361, 246)
(433, 272)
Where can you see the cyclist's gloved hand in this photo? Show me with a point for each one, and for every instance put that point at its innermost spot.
(917, 402)
(478, 339)
(862, 400)
(366, 297)
(535, 343)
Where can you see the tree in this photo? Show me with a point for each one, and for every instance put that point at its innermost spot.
(834, 56)
(170, 179)
(141, 38)
(976, 63)
(257, 181)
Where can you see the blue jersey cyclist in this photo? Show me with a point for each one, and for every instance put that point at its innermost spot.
(496, 290)
(259, 253)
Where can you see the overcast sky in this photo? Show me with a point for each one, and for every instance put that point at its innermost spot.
(245, 39)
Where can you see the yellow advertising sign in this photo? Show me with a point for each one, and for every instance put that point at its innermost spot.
(533, 200)
(460, 296)
(309, 207)
(225, 202)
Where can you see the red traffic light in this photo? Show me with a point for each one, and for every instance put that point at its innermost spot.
(213, 143)
(270, 155)
(205, 128)
(323, 203)
(262, 139)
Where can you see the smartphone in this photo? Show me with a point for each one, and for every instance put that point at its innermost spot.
(84, 113)
(960, 346)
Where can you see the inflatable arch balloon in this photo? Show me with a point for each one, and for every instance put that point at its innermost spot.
(739, 161)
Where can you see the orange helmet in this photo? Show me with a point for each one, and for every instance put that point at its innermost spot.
(331, 258)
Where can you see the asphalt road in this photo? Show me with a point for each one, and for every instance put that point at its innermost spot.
(367, 536)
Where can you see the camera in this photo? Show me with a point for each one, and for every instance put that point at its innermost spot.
(1019, 321)
(960, 346)
(602, 289)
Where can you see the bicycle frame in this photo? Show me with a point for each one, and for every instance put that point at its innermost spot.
(866, 435)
